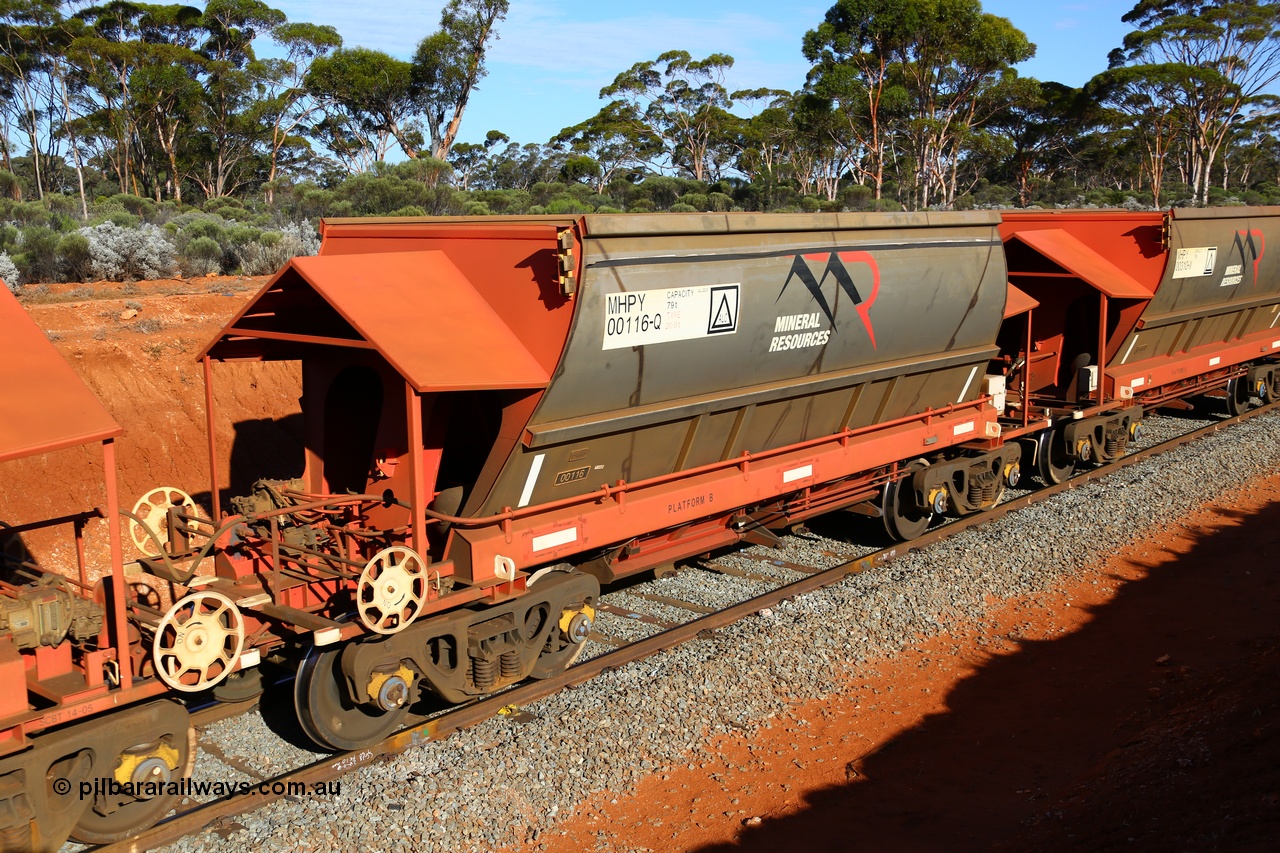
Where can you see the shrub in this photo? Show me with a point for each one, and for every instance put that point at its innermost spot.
(202, 256)
(273, 249)
(9, 272)
(37, 261)
(10, 186)
(697, 201)
(144, 208)
(307, 237)
(129, 253)
(123, 218)
(210, 227)
(719, 202)
(681, 207)
(74, 259)
(567, 204)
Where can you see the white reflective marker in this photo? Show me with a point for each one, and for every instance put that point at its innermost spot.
(531, 480)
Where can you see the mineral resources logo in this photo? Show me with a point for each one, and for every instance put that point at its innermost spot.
(836, 270)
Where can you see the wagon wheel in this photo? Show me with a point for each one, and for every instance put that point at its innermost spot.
(902, 520)
(1238, 401)
(167, 756)
(151, 533)
(1053, 463)
(326, 711)
(392, 590)
(198, 641)
(558, 654)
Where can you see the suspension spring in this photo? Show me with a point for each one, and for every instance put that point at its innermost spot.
(484, 673)
(510, 664)
(1117, 441)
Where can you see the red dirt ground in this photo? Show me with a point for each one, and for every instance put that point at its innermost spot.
(1136, 709)
(142, 367)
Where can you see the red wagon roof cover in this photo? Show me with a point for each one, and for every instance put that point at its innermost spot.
(1081, 261)
(1018, 301)
(415, 308)
(44, 405)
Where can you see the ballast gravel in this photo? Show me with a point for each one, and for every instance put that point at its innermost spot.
(506, 780)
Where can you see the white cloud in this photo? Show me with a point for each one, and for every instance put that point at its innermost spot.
(395, 28)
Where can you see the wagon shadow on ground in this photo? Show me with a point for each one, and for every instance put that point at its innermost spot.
(263, 448)
(1151, 727)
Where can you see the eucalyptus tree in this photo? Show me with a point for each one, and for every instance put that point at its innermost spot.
(1206, 61)
(28, 29)
(616, 139)
(283, 102)
(682, 101)
(856, 52)
(1138, 100)
(119, 39)
(229, 133)
(448, 64)
(369, 94)
(911, 82)
(1040, 121)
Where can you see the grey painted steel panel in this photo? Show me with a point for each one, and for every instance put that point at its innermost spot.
(1234, 234)
(1224, 304)
(930, 288)
(940, 289)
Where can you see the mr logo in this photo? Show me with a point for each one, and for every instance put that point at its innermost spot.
(837, 270)
(1249, 246)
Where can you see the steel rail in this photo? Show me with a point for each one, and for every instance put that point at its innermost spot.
(189, 820)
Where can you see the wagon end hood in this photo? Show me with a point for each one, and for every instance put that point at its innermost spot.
(416, 309)
(45, 406)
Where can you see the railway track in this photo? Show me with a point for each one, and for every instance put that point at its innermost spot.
(632, 625)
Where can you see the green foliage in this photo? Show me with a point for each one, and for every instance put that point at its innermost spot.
(37, 259)
(698, 201)
(201, 256)
(73, 259)
(719, 202)
(567, 204)
(121, 218)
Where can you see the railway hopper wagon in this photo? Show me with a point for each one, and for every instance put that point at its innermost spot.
(1134, 310)
(73, 706)
(502, 413)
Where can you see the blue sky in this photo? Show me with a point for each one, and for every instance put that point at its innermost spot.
(553, 56)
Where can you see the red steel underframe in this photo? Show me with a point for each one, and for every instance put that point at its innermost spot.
(628, 511)
(1153, 373)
